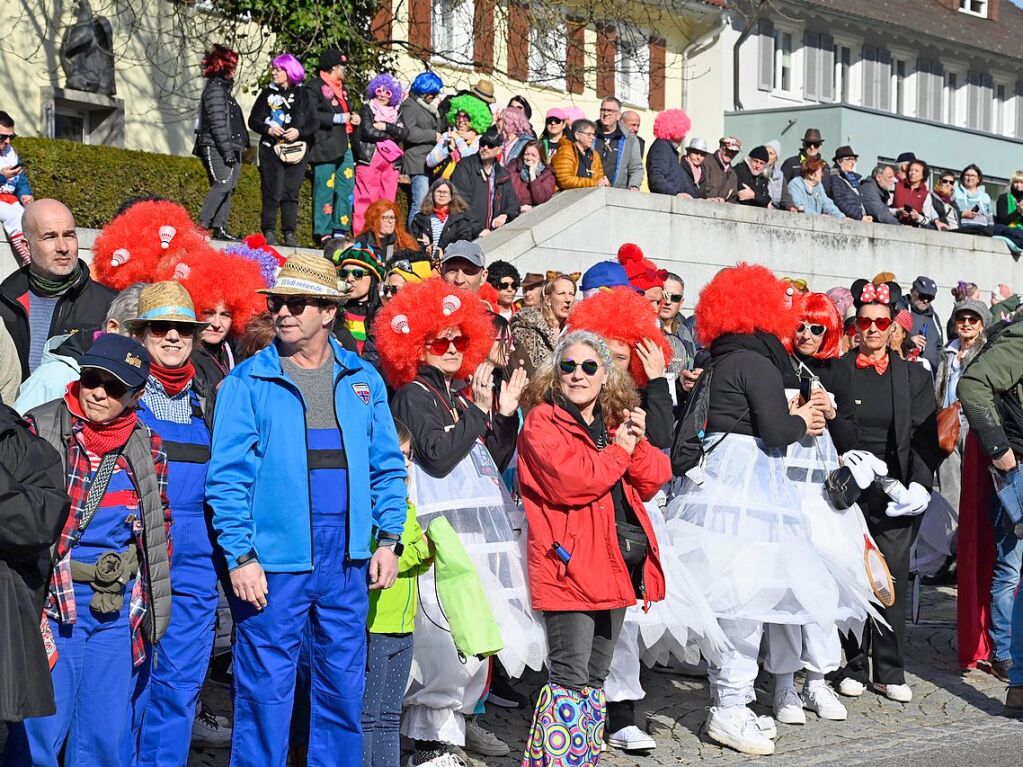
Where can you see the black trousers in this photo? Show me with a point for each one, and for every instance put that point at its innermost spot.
(223, 178)
(279, 184)
(580, 645)
(894, 537)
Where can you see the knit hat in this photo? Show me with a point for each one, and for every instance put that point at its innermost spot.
(359, 254)
(165, 302)
(759, 153)
(975, 306)
(904, 320)
(605, 274)
(642, 272)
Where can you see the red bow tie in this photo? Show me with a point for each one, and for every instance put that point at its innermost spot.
(879, 365)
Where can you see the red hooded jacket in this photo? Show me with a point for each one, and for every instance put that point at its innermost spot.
(566, 485)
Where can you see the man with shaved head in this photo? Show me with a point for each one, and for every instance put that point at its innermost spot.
(631, 121)
(54, 294)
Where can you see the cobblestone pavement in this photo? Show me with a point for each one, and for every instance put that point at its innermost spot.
(949, 709)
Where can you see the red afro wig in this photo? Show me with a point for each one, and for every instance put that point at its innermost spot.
(818, 309)
(419, 312)
(220, 277)
(145, 244)
(672, 125)
(744, 299)
(623, 315)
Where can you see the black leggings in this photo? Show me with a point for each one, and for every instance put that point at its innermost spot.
(279, 184)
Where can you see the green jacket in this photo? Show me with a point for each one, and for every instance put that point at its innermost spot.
(996, 371)
(393, 611)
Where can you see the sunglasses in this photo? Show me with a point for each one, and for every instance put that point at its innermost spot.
(508, 285)
(8, 136)
(813, 145)
(356, 273)
(93, 379)
(389, 290)
(815, 329)
(296, 304)
(163, 327)
(864, 323)
(590, 367)
(672, 298)
(969, 319)
(552, 120)
(439, 346)
(946, 181)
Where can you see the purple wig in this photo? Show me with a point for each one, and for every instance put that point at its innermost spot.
(515, 122)
(267, 263)
(291, 66)
(384, 80)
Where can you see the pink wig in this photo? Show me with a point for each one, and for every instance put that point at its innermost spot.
(744, 299)
(291, 66)
(672, 125)
(515, 122)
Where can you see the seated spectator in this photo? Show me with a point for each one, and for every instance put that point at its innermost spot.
(811, 147)
(721, 182)
(944, 202)
(974, 202)
(664, 171)
(471, 118)
(845, 185)
(486, 186)
(807, 193)
(443, 219)
(554, 129)
(876, 194)
(515, 133)
(620, 154)
(912, 200)
(532, 177)
(750, 177)
(504, 278)
(777, 186)
(15, 191)
(576, 165)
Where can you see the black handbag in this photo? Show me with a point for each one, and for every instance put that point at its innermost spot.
(841, 488)
(633, 543)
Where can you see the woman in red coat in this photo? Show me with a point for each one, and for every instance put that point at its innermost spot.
(532, 176)
(585, 470)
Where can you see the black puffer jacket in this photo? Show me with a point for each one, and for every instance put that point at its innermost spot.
(33, 509)
(221, 122)
(369, 137)
(457, 227)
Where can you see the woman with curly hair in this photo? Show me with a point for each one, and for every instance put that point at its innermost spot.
(471, 118)
(381, 133)
(586, 470)
(433, 341)
(516, 132)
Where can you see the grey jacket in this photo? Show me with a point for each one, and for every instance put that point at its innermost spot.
(847, 198)
(630, 164)
(423, 126)
(875, 202)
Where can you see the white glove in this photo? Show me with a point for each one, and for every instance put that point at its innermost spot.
(914, 502)
(864, 467)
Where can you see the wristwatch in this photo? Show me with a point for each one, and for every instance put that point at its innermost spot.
(391, 541)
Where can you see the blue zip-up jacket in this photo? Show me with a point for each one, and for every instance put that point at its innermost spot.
(258, 481)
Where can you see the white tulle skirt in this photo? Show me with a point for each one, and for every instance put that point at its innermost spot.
(745, 538)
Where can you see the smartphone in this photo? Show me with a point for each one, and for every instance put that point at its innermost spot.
(907, 208)
(976, 208)
(805, 386)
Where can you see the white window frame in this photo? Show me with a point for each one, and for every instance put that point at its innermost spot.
(548, 52)
(451, 30)
(974, 7)
(780, 33)
(843, 72)
(632, 67)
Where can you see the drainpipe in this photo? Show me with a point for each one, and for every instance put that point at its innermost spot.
(697, 46)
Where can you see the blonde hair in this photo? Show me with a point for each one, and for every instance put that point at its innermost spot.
(617, 394)
(1017, 175)
(545, 306)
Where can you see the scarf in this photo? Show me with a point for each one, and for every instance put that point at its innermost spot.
(1012, 209)
(100, 438)
(174, 380)
(384, 113)
(44, 286)
(441, 213)
(879, 365)
(334, 92)
(524, 172)
(852, 178)
(355, 322)
(696, 169)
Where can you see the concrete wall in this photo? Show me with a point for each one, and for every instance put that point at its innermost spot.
(696, 238)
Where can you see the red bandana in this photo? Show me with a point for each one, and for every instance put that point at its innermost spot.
(879, 365)
(174, 380)
(100, 438)
(441, 213)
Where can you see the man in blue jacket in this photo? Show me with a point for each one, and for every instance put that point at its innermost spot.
(305, 467)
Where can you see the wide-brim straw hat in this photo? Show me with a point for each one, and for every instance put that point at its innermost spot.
(304, 275)
(165, 302)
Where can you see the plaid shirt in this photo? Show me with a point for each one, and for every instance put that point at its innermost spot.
(81, 467)
(176, 409)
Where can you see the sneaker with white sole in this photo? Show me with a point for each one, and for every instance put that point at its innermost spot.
(900, 693)
(788, 708)
(736, 727)
(850, 688)
(209, 730)
(767, 725)
(631, 738)
(482, 741)
(434, 759)
(823, 701)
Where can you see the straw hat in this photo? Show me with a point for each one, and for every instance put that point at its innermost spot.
(304, 275)
(165, 302)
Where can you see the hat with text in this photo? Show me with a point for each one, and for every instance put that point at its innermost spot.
(121, 356)
(306, 275)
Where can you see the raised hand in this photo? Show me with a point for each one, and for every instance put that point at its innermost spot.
(511, 392)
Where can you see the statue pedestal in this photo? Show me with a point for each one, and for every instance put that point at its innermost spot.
(81, 116)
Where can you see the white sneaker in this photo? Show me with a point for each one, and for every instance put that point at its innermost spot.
(435, 759)
(822, 700)
(209, 731)
(788, 708)
(736, 727)
(850, 688)
(483, 742)
(767, 726)
(900, 693)
(630, 739)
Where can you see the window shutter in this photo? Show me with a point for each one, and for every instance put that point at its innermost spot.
(575, 49)
(972, 100)
(826, 59)
(765, 70)
(655, 97)
(883, 73)
(420, 34)
(930, 79)
(518, 42)
(483, 35)
(1019, 109)
(811, 61)
(987, 98)
(382, 21)
(607, 46)
(869, 57)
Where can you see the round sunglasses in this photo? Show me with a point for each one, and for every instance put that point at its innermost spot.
(590, 367)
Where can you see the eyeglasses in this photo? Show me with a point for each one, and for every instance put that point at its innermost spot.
(93, 379)
(590, 367)
(815, 329)
(969, 319)
(608, 111)
(8, 137)
(672, 298)
(163, 327)
(864, 323)
(390, 290)
(355, 273)
(296, 304)
(388, 217)
(508, 285)
(440, 346)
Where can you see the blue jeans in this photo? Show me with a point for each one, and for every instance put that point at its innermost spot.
(387, 668)
(1008, 558)
(420, 188)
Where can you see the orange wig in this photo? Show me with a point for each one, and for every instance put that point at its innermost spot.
(371, 218)
(817, 309)
(623, 315)
(744, 299)
(420, 312)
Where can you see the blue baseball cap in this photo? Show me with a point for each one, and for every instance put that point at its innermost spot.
(123, 357)
(605, 274)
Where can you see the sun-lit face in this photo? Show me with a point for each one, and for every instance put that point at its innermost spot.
(872, 338)
(531, 155)
(579, 387)
(808, 337)
(621, 354)
(671, 303)
(103, 397)
(219, 318)
(168, 343)
(561, 299)
(968, 325)
(449, 360)
(756, 166)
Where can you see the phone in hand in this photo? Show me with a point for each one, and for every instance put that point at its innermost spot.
(805, 387)
(976, 208)
(907, 208)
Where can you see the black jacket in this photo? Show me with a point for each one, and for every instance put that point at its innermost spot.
(655, 399)
(330, 141)
(759, 184)
(221, 122)
(836, 380)
(300, 109)
(846, 198)
(440, 442)
(83, 305)
(367, 137)
(664, 170)
(469, 181)
(457, 227)
(33, 509)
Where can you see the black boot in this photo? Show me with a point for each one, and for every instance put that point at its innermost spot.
(270, 236)
(290, 240)
(220, 233)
